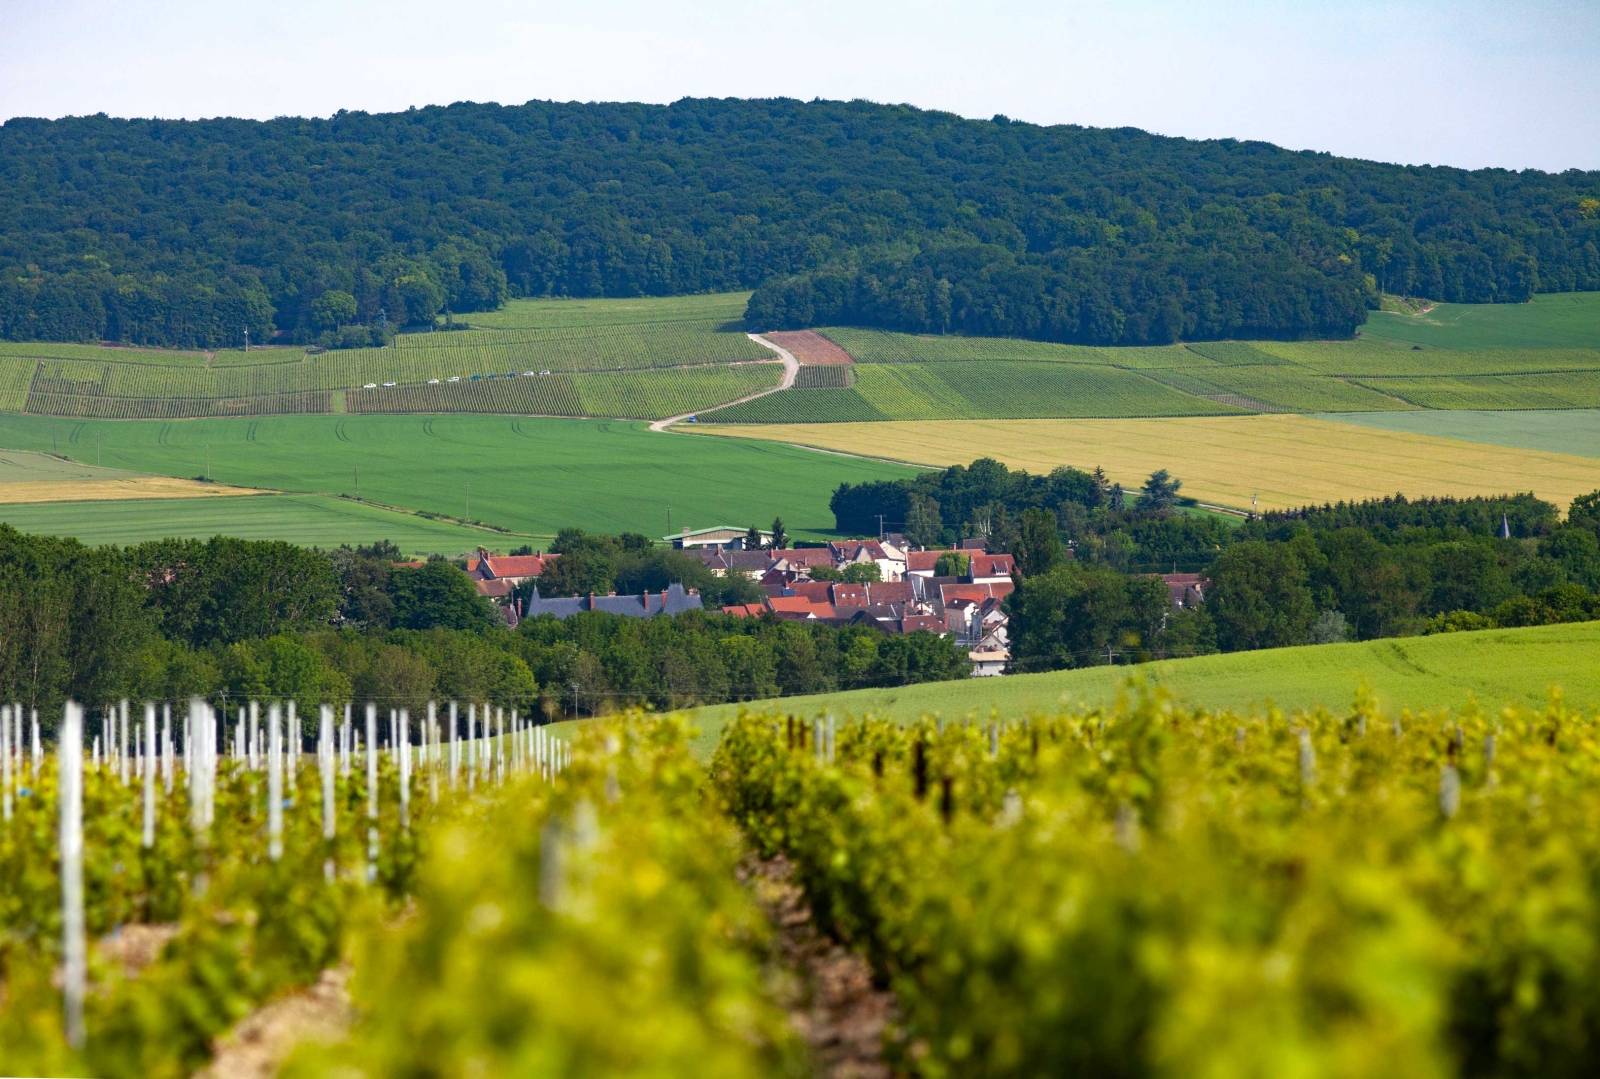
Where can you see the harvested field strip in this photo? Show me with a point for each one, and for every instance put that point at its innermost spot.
(1284, 461)
(810, 348)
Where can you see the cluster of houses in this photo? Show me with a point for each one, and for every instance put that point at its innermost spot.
(909, 594)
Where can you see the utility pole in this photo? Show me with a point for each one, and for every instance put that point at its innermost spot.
(575, 704)
(880, 527)
(247, 339)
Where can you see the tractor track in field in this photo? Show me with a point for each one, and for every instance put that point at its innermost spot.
(791, 370)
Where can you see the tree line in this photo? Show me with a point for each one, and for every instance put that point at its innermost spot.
(337, 230)
(1089, 554)
(235, 619)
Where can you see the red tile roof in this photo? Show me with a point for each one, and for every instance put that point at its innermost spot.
(495, 589)
(922, 560)
(975, 593)
(746, 610)
(849, 595)
(991, 565)
(514, 566)
(816, 591)
(851, 550)
(800, 605)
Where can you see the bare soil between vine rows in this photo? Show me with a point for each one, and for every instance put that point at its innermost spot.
(842, 1015)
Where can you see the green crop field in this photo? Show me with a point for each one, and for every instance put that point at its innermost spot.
(531, 476)
(1494, 667)
(1550, 320)
(625, 358)
(1572, 431)
(313, 520)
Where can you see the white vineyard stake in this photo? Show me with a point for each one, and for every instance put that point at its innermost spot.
(325, 762)
(168, 766)
(74, 965)
(472, 747)
(5, 762)
(291, 740)
(372, 792)
(149, 837)
(274, 784)
(404, 746)
(455, 747)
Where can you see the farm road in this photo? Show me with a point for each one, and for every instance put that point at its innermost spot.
(791, 369)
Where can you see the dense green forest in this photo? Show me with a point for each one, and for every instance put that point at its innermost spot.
(189, 232)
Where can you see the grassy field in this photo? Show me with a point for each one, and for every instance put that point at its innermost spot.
(1573, 431)
(314, 520)
(1284, 461)
(531, 476)
(1550, 320)
(1493, 667)
(627, 358)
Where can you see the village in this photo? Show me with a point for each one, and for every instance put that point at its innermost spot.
(888, 584)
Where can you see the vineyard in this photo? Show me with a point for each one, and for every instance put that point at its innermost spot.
(1156, 890)
(636, 395)
(997, 389)
(644, 359)
(1468, 360)
(1144, 888)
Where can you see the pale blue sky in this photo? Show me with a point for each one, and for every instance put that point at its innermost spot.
(1514, 83)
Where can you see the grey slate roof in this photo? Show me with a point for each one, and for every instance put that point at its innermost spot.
(675, 600)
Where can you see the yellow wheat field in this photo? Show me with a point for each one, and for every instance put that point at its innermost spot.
(42, 477)
(1279, 461)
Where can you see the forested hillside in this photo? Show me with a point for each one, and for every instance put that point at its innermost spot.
(185, 233)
